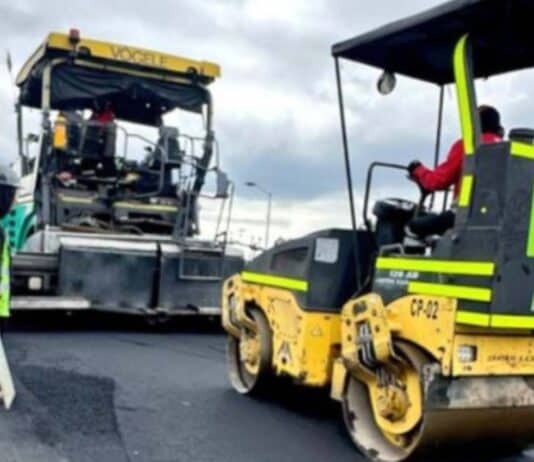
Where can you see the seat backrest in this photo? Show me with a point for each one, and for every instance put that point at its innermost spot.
(168, 141)
(74, 121)
(495, 223)
(482, 195)
(97, 139)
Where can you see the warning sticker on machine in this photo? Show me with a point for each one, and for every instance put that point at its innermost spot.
(510, 358)
(395, 278)
(326, 250)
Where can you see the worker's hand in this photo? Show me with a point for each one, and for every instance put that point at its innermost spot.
(412, 166)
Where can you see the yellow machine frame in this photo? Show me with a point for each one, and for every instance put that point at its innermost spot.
(400, 367)
(304, 344)
(153, 63)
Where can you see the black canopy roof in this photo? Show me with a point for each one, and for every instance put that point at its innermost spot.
(422, 46)
(133, 98)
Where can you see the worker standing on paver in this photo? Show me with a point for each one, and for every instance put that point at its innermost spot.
(8, 186)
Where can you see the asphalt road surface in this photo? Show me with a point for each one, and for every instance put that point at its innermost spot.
(110, 390)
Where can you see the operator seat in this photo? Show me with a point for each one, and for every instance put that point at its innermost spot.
(168, 151)
(74, 122)
(97, 148)
(432, 225)
(392, 216)
(168, 142)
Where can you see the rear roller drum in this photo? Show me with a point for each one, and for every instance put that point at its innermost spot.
(249, 357)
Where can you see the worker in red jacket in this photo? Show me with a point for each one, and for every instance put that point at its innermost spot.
(449, 173)
(103, 113)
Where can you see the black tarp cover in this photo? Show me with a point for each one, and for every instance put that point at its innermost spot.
(134, 98)
(422, 46)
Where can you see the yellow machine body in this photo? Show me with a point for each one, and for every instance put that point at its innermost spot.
(304, 344)
(435, 372)
(423, 372)
(436, 347)
(124, 58)
(429, 324)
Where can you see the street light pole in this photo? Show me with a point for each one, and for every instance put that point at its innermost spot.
(269, 195)
(268, 225)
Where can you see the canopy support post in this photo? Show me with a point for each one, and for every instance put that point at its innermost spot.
(348, 173)
(24, 160)
(469, 120)
(182, 225)
(438, 136)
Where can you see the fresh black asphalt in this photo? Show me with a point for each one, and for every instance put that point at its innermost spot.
(109, 389)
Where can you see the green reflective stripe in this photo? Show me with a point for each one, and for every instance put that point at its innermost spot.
(472, 319)
(276, 281)
(523, 150)
(437, 266)
(527, 151)
(465, 191)
(5, 290)
(462, 89)
(478, 294)
(530, 242)
(497, 321)
(512, 321)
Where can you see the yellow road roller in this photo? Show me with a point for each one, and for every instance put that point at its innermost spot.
(426, 341)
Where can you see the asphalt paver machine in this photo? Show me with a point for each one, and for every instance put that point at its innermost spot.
(107, 216)
(424, 343)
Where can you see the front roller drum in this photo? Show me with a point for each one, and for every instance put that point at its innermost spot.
(451, 424)
(387, 432)
(249, 357)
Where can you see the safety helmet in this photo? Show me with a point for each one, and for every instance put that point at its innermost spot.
(490, 120)
(8, 177)
(9, 182)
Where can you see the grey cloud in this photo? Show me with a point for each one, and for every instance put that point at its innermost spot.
(293, 57)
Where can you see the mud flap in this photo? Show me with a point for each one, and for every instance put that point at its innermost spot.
(7, 388)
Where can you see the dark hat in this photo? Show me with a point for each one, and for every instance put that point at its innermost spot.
(490, 120)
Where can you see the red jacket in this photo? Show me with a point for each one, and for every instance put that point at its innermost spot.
(449, 172)
(104, 117)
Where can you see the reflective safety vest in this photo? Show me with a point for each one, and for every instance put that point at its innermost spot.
(5, 277)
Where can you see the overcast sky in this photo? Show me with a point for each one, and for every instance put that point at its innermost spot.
(276, 111)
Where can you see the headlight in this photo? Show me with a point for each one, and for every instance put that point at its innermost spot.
(467, 353)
